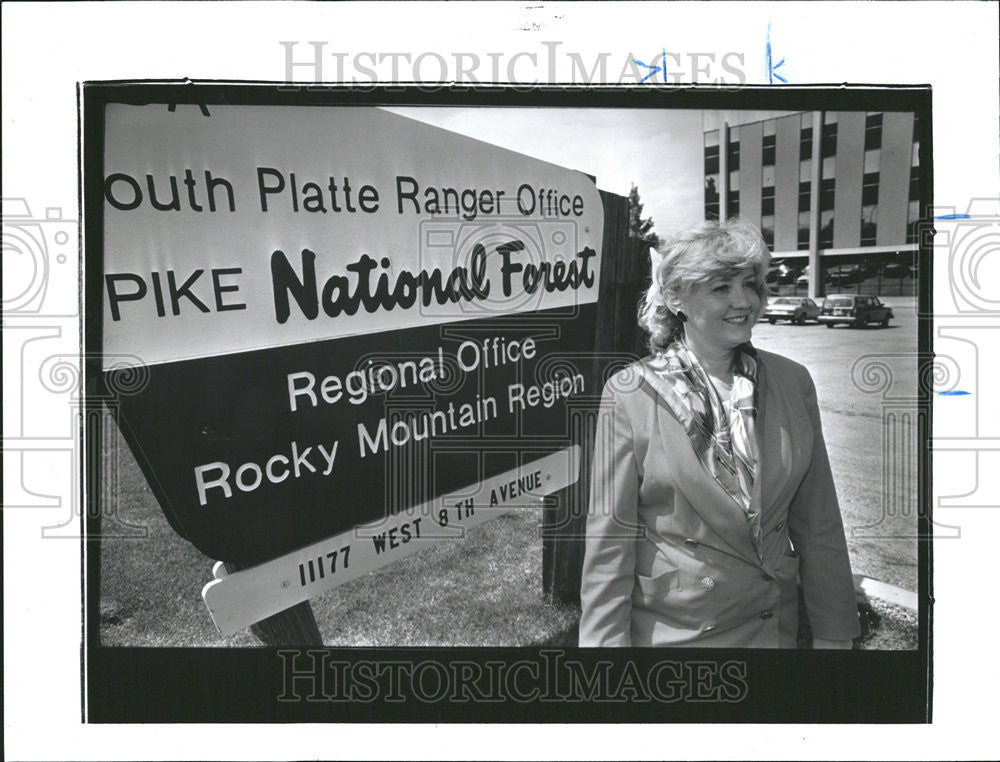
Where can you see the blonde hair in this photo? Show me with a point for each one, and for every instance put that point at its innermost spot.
(713, 249)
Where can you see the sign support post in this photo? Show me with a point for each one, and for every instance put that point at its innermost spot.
(295, 626)
(621, 281)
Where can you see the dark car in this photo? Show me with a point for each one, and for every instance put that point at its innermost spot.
(797, 309)
(855, 310)
(896, 270)
(870, 269)
(846, 275)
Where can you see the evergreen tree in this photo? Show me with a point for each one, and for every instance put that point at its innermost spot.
(637, 226)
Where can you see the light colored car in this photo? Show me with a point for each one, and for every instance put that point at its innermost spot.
(795, 309)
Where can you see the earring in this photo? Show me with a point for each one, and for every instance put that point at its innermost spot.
(681, 316)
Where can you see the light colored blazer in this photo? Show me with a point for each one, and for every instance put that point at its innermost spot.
(669, 561)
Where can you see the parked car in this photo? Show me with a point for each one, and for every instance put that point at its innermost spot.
(796, 309)
(856, 310)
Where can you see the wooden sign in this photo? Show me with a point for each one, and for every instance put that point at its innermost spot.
(340, 313)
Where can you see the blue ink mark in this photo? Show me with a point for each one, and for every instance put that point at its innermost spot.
(953, 217)
(772, 73)
(654, 68)
(956, 393)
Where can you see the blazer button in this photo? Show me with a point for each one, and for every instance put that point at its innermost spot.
(708, 583)
(766, 614)
(691, 543)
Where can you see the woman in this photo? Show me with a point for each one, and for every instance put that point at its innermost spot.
(711, 491)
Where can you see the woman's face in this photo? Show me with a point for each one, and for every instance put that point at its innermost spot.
(721, 313)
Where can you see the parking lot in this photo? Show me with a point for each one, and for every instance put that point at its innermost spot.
(860, 377)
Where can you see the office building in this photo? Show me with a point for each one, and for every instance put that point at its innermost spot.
(845, 184)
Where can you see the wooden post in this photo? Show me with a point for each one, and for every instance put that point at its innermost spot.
(295, 626)
(624, 271)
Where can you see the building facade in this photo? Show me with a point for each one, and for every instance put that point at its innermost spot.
(843, 186)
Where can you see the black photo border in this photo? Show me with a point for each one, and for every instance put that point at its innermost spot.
(172, 685)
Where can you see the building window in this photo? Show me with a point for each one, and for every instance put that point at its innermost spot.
(733, 203)
(914, 183)
(828, 146)
(712, 189)
(712, 197)
(767, 201)
(827, 191)
(711, 160)
(826, 229)
(770, 149)
(869, 190)
(912, 221)
(804, 195)
(734, 154)
(803, 240)
(873, 131)
(806, 144)
(869, 223)
(767, 230)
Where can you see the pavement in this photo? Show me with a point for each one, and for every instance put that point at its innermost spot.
(860, 377)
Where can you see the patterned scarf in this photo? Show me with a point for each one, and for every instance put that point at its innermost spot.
(721, 431)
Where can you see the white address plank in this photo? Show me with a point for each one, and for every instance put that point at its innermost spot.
(240, 599)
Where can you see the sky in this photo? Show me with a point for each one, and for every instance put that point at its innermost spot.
(659, 150)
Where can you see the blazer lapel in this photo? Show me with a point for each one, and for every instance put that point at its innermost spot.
(707, 497)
